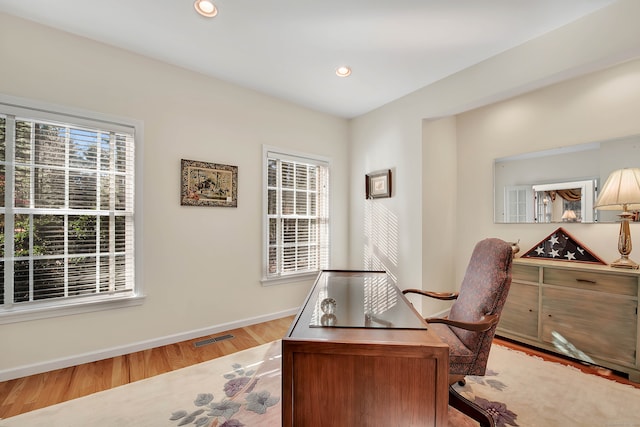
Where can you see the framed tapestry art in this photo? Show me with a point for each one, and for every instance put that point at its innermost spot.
(208, 184)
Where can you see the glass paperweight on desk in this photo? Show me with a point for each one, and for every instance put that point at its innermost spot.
(361, 300)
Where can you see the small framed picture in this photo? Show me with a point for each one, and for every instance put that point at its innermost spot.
(378, 184)
(208, 184)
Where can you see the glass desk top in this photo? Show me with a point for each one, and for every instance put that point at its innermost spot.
(361, 300)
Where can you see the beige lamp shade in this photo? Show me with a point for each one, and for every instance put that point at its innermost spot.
(621, 191)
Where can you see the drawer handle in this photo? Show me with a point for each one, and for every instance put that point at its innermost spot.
(592, 282)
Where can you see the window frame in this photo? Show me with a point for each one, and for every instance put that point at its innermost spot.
(285, 154)
(38, 110)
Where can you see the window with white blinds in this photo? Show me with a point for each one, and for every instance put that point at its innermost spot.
(67, 210)
(297, 214)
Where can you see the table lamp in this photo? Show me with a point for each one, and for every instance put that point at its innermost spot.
(569, 216)
(622, 192)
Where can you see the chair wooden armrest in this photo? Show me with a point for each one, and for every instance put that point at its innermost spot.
(436, 295)
(484, 324)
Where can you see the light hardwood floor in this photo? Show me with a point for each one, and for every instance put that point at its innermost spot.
(38, 391)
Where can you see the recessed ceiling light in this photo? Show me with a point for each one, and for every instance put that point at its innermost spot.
(343, 71)
(206, 8)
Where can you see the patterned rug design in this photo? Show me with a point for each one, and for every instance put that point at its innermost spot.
(526, 391)
(248, 397)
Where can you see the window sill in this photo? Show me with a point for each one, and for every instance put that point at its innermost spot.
(45, 312)
(289, 279)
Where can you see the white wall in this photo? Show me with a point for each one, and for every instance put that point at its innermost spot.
(393, 135)
(202, 266)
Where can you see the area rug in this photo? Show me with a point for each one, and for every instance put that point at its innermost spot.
(243, 389)
(526, 391)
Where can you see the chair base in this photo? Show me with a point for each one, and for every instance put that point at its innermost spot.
(470, 409)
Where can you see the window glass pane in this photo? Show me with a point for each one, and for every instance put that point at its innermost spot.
(289, 231)
(313, 205)
(22, 186)
(105, 191)
(103, 224)
(23, 142)
(287, 175)
(21, 227)
(105, 151)
(303, 230)
(301, 177)
(2, 282)
(289, 259)
(104, 273)
(287, 202)
(49, 144)
(301, 202)
(314, 257)
(82, 234)
(48, 278)
(82, 190)
(272, 200)
(21, 290)
(313, 179)
(273, 260)
(2, 185)
(82, 276)
(313, 230)
(121, 234)
(273, 231)
(83, 149)
(49, 188)
(272, 173)
(3, 130)
(303, 258)
(120, 279)
(48, 234)
(121, 153)
(121, 193)
(2, 240)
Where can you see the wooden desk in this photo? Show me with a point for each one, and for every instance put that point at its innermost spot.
(377, 365)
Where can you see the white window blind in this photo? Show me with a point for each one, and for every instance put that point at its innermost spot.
(67, 209)
(297, 215)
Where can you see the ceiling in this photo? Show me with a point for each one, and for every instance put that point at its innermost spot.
(290, 48)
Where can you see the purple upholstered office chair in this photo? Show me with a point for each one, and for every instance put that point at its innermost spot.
(470, 326)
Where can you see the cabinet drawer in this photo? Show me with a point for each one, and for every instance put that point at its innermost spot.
(528, 273)
(589, 324)
(592, 280)
(520, 312)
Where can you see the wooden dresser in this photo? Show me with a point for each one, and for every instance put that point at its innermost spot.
(586, 311)
(358, 354)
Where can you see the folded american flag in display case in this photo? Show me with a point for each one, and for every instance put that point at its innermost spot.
(561, 246)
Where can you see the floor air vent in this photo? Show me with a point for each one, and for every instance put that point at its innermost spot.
(212, 340)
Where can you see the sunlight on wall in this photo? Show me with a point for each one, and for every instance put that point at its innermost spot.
(380, 239)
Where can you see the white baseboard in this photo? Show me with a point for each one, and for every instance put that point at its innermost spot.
(38, 368)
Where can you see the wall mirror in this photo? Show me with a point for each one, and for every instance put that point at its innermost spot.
(559, 185)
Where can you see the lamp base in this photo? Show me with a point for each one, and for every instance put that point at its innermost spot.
(624, 262)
